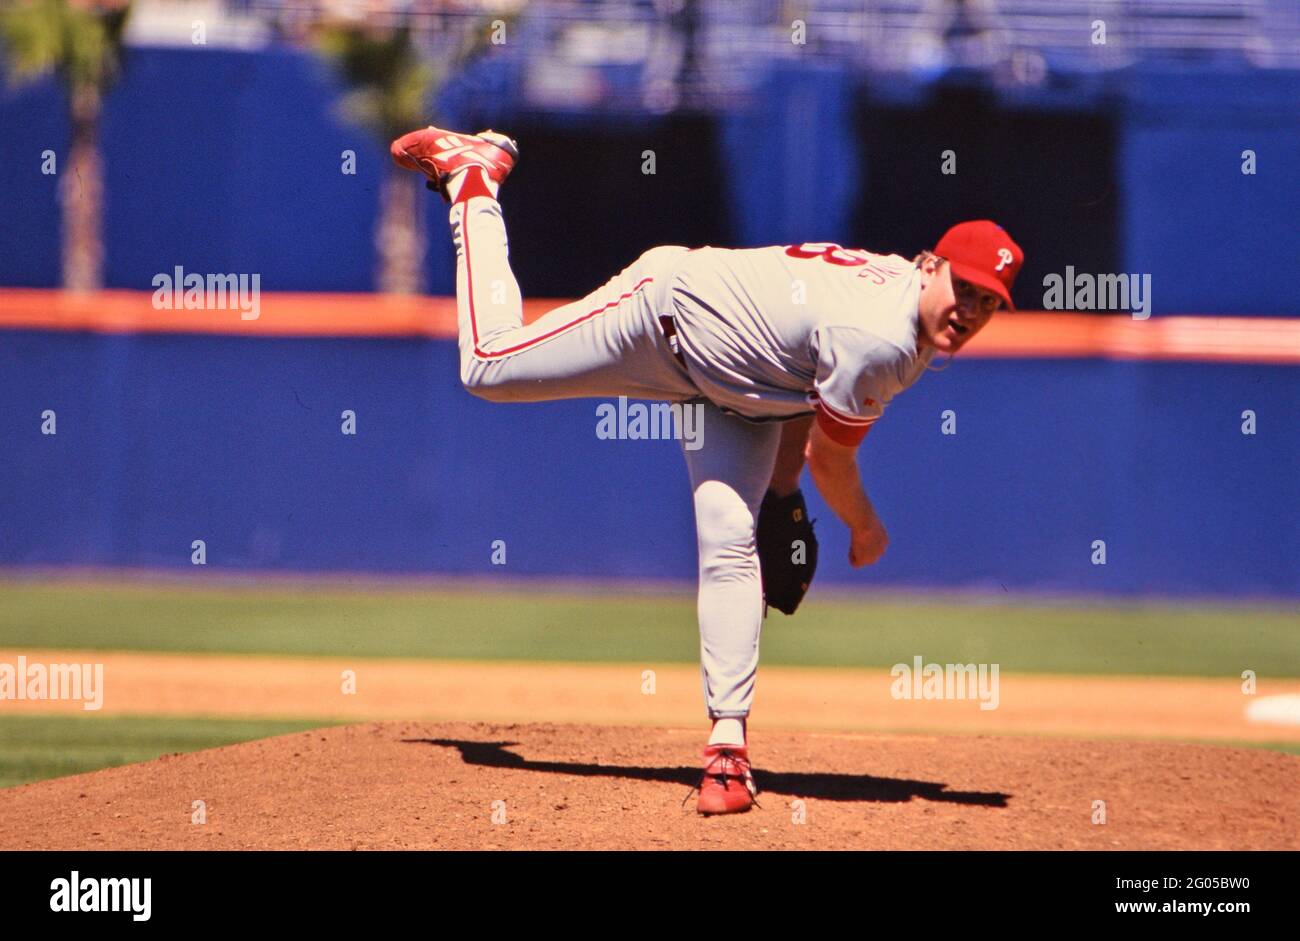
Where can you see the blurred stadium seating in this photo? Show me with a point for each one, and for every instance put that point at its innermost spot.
(726, 43)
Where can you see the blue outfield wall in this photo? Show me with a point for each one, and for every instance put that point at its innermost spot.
(164, 439)
(1191, 217)
(222, 160)
(213, 160)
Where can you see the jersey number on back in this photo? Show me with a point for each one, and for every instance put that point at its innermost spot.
(846, 258)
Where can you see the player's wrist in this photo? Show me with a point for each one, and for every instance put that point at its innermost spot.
(865, 523)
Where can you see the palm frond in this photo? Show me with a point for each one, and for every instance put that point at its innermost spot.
(81, 44)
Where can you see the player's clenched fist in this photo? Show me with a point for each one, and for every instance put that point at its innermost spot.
(868, 544)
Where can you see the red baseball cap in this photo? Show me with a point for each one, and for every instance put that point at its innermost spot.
(982, 253)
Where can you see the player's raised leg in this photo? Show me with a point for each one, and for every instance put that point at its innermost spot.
(609, 343)
(729, 476)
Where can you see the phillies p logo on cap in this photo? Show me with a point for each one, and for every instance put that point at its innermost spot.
(982, 253)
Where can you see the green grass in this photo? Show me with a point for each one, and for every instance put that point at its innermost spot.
(1290, 748)
(33, 748)
(526, 623)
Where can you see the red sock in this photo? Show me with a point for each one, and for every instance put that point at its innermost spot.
(473, 185)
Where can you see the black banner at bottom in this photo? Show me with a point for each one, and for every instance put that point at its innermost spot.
(329, 890)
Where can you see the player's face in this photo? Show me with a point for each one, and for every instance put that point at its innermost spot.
(952, 310)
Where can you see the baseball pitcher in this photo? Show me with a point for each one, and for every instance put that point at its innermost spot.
(794, 352)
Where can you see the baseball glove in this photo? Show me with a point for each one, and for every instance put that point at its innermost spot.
(787, 550)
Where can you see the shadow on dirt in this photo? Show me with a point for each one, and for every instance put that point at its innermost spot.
(835, 787)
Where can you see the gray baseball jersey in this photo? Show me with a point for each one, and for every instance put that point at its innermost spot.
(778, 332)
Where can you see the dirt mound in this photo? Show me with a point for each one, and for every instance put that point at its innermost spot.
(409, 785)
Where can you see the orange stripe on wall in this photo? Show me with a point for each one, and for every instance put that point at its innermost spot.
(279, 314)
(1018, 335)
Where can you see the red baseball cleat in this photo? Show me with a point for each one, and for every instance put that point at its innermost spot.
(728, 785)
(440, 155)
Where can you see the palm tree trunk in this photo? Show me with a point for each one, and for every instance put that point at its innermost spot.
(399, 233)
(81, 193)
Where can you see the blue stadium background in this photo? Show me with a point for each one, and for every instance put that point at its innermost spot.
(222, 160)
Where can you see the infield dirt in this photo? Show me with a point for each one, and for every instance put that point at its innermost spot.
(411, 785)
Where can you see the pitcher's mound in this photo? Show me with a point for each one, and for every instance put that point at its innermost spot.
(407, 785)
